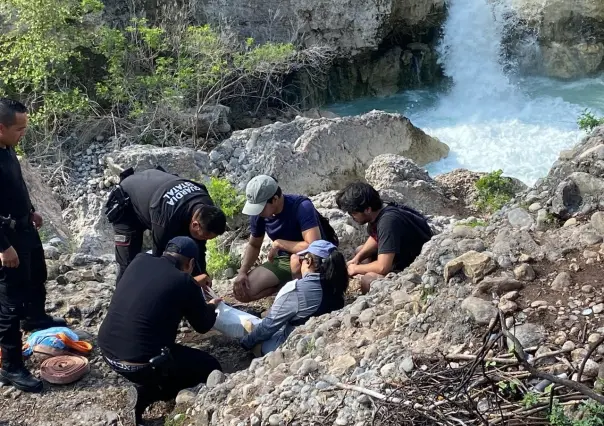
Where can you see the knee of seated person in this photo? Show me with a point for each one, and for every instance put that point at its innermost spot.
(241, 294)
(366, 281)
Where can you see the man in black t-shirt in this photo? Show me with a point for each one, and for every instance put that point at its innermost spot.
(167, 205)
(396, 233)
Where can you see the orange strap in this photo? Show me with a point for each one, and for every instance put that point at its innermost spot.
(80, 345)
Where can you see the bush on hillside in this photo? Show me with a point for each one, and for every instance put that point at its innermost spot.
(69, 67)
(587, 121)
(494, 191)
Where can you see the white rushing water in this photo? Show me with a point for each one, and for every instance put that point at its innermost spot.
(491, 120)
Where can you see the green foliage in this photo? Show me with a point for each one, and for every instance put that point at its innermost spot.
(558, 417)
(265, 56)
(177, 420)
(177, 69)
(230, 202)
(19, 151)
(60, 58)
(530, 399)
(226, 196)
(219, 258)
(45, 40)
(475, 223)
(494, 191)
(587, 121)
(590, 413)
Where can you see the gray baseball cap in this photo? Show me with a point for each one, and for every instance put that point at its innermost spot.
(257, 192)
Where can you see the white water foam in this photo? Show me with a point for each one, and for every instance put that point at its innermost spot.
(491, 120)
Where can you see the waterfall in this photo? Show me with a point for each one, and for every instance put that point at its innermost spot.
(491, 119)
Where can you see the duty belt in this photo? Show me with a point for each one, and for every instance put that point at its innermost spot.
(15, 224)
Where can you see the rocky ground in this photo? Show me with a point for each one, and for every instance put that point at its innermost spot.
(538, 260)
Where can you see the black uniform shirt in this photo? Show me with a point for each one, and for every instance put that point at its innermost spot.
(14, 198)
(165, 204)
(147, 306)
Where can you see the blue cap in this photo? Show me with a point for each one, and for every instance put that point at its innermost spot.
(184, 246)
(319, 248)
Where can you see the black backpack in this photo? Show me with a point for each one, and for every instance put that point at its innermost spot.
(418, 219)
(328, 231)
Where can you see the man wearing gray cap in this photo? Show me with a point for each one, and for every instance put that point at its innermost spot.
(292, 222)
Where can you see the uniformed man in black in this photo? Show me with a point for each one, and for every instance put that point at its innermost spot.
(142, 321)
(23, 268)
(167, 205)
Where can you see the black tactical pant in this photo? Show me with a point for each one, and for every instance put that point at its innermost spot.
(187, 368)
(22, 296)
(128, 231)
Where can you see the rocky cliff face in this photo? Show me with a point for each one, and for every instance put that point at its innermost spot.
(570, 35)
(346, 25)
(381, 47)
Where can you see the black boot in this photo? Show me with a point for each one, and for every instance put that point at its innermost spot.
(41, 323)
(14, 373)
(143, 400)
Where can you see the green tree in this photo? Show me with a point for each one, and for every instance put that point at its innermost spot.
(44, 41)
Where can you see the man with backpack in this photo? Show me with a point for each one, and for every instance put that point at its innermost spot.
(168, 206)
(292, 223)
(397, 233)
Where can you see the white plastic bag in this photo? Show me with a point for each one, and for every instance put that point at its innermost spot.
(232, 322)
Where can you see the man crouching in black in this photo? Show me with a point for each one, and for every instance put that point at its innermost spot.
(137, 337)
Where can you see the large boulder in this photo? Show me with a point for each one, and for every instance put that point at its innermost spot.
(570, 35)
(45, 203)
(92, 233)
(575, 183)
(310, 156)
(401, 180)
(185, 162)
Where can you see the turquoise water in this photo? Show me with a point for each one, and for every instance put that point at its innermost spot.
(521, 133)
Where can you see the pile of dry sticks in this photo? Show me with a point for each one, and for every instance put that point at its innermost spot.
(486, 390)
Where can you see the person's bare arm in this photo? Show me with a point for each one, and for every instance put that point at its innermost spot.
(368, 250)
(309, 236)
(252, 251)
(382, 266)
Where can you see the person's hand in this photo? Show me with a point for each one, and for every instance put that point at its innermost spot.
(9, 258)
(353, 261)
(204, 281)
(37, 220)
(274, 250)
(352, 270)
(215, 302)
(239, 284)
